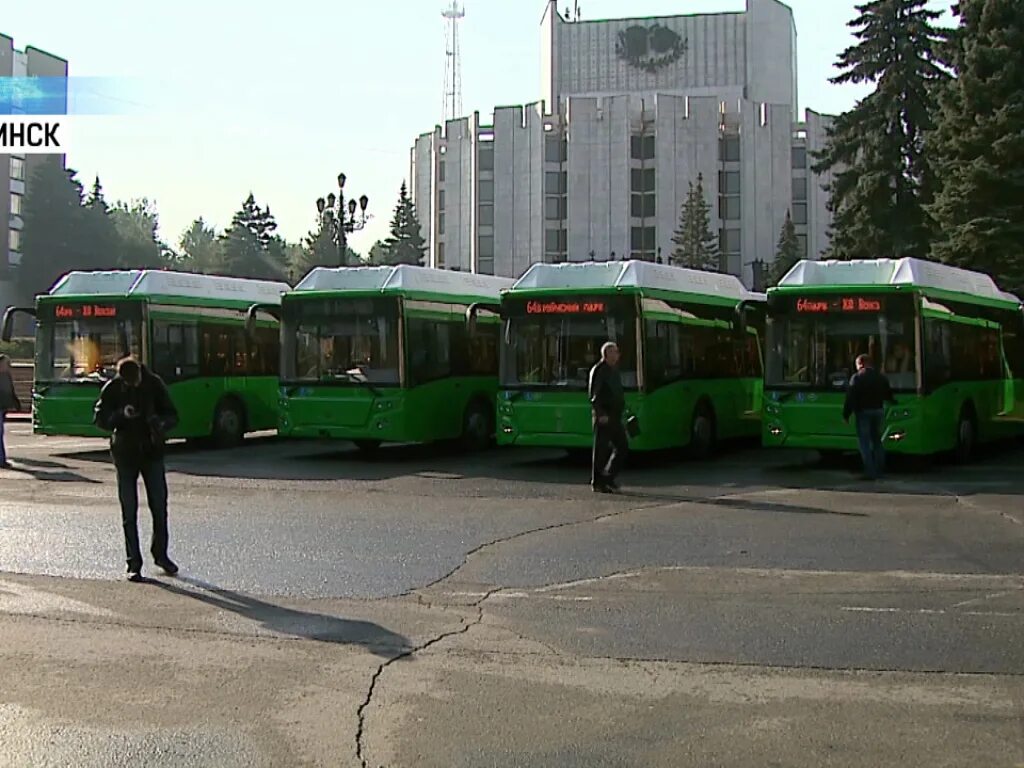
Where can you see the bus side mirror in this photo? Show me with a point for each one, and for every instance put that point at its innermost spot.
(7, 332)
(252, 314)
(474, 309)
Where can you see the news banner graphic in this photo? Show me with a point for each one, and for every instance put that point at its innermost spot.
(38, 114)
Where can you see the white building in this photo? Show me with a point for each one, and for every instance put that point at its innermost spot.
(639, 108)
(17, 170)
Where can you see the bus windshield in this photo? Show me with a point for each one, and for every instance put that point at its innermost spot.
(814, 342)
(341, 341)
(76, 345)
(554, 343)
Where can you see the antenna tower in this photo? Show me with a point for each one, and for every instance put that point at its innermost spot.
(453, 15)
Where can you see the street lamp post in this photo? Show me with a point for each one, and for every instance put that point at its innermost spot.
(340, 219)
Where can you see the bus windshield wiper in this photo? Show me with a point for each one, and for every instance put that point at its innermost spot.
(349, 376)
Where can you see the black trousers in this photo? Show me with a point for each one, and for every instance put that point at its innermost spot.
(155, 480)
(610, 446)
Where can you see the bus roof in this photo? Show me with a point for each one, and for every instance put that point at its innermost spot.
(915, 273)
(589, 276)
(403, 278)
(138, 283)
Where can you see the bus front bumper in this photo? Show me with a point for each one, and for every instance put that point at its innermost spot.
(903, 432)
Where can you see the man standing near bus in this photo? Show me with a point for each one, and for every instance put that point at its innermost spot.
(608, 403)
(866, 397)
(136, 409)
(8, 402)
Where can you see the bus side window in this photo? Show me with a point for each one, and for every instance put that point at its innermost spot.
(429, 345)
(937, 354)
(175, 350)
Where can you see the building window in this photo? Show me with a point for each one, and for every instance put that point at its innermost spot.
(14, 240)
(800, 189)
(642, 239)
(799, 213)
(728, 208)
(486, 191)
(440, 171)
(555, 208)
(643, 206)
(729, 241)
(486, 215)
(556, 149)
(17, 169)
(440, 255)
(642, 180)
(485, 249)
(799, 157)
(487, 158)
(15, 205)
(729, 182)
(641, 147)
(440, 224)
(555, 182)
(440, 200)
(556, 241)
(729, 149)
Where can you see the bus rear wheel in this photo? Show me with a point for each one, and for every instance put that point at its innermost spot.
(702, 432)
(966, 435)
(477, 426)
(228, 424)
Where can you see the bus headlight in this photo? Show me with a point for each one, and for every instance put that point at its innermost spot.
(384, 405)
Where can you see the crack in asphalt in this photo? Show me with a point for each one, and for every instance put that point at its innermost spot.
(361, 711)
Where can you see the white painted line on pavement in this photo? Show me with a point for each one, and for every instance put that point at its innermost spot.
(931, 612)
(986, 598)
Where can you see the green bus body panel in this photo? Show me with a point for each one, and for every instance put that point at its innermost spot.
(563, 419)
(918, 425)
(67, 409)
(421, 414)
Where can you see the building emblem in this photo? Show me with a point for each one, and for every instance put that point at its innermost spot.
(650, 48)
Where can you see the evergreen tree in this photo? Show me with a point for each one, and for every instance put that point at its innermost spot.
(378, 254)
(405, 245)
(52, 242)
(695, 246)
(99, 237)
(201, 250)
(138, 244)
(787, 252)
(883, 181)
(980, 145)
(320, 250)
(246, 244)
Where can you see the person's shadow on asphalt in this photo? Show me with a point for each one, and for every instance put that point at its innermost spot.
(312, 626)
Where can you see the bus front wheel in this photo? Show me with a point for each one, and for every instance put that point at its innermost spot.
(228, 424)
(966, 435)
(702, 432)
(477, 426)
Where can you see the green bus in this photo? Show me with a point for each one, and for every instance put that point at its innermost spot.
(190, 329)
(691, 368)
(385, 355)
(950, 342)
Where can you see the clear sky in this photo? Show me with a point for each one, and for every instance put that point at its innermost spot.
(277, 98)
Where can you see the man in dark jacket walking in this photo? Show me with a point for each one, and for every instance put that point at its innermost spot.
(137, 409)
(607, 403)
(865, 400)
(8, 402)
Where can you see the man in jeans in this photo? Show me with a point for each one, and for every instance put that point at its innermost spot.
(137, 409)
(607, 403)
(865, 400)
(8, 402)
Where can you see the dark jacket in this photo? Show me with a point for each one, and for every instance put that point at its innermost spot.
(869, 391)
(8, 395)
(606, 395)
(140, 438)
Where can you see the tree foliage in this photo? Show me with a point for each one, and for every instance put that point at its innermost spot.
(405, 245)
(787, 252)
(883, 177)
(980, 145)
(696, 247)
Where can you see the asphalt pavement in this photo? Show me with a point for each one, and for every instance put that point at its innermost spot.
(424, 607)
